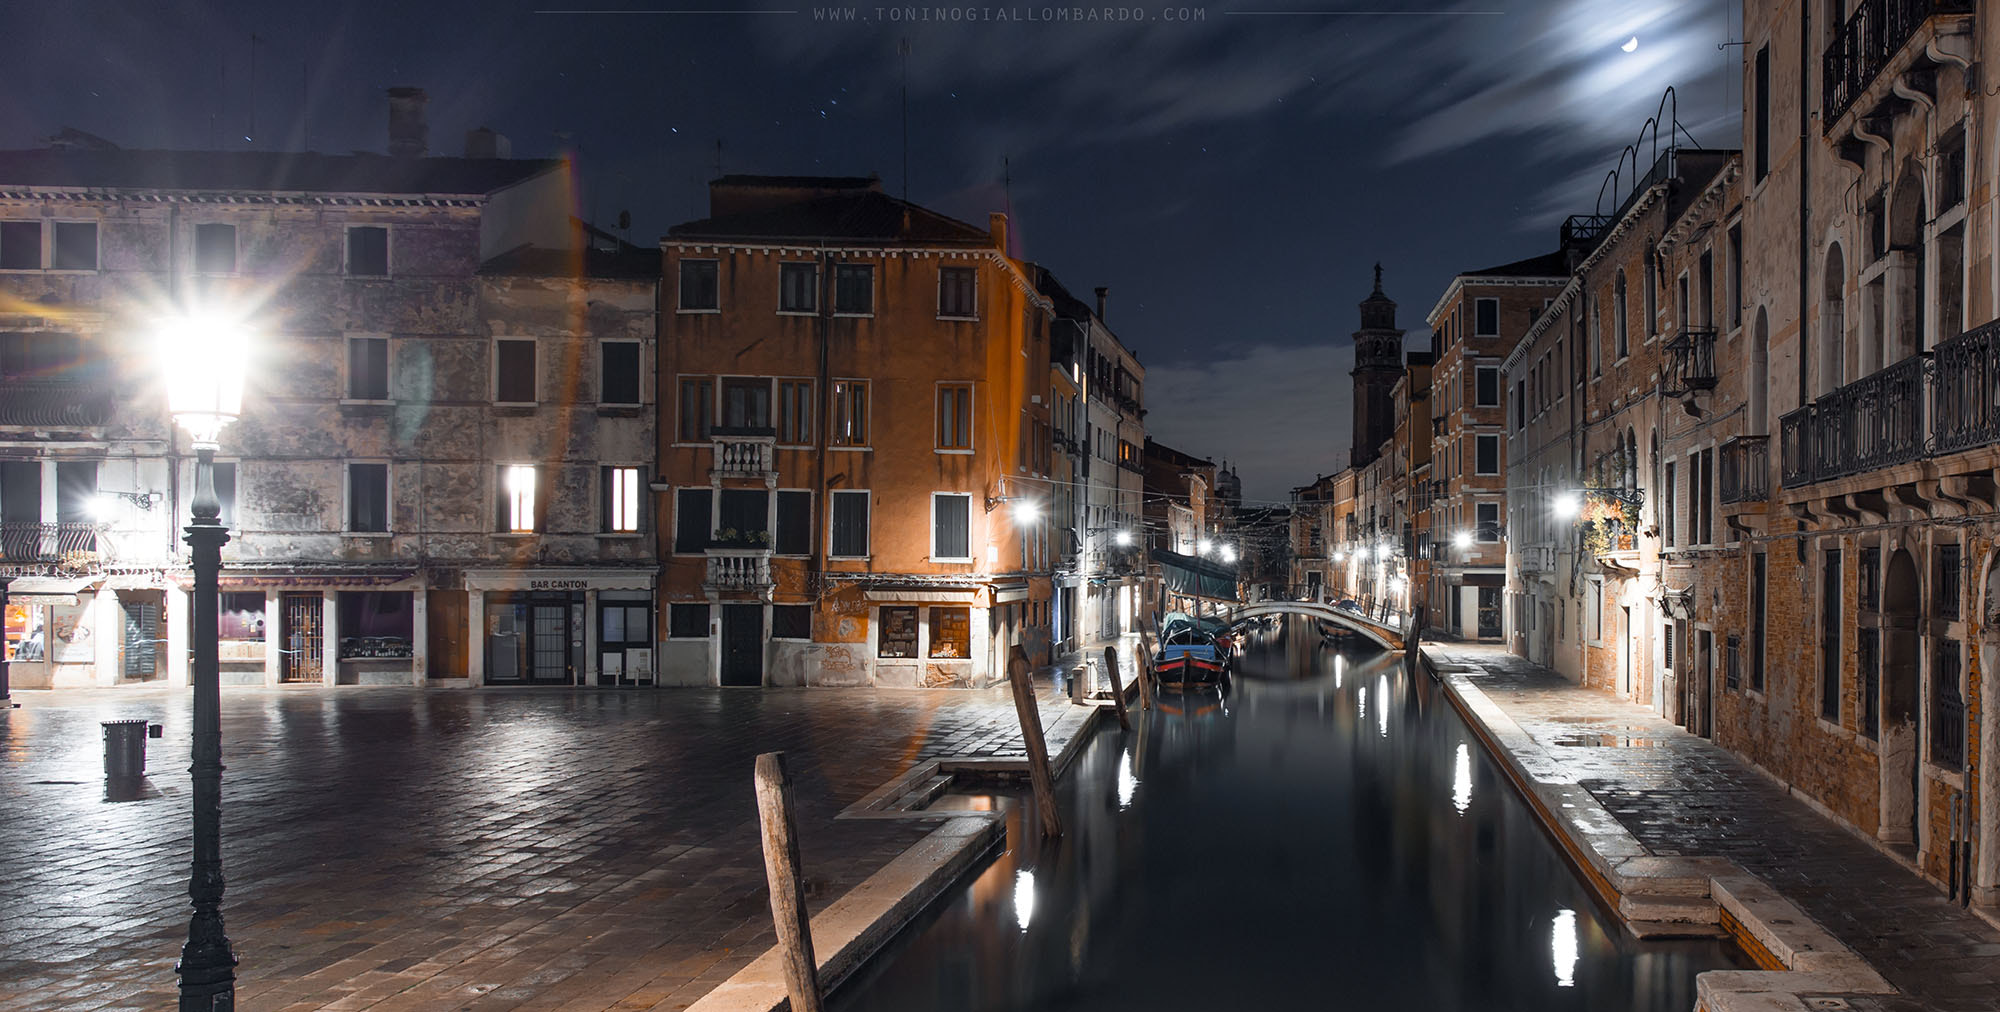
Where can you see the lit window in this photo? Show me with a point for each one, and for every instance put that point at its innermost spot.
(621, 499)
(849, 423)
(517, 498)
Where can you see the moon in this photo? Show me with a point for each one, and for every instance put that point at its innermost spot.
(1631, 44)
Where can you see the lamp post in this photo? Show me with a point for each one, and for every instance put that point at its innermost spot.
(202, 361)
(6, 703)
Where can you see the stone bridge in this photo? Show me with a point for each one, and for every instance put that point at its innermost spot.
(1388, 637)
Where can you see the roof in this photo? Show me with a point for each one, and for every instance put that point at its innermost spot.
(1547, 265)
(864, 215)
(1155, 448)
(264, 171)
(543, 262)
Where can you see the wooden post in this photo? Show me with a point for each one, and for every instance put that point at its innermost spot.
(788, 893)
(1117, 686)
(1411, 637)
(1142, 666)
(1038, 749)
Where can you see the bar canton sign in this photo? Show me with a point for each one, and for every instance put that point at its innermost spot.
(556, 580)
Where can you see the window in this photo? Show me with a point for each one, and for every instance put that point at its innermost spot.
(368, 368)
(514, 371)
(951, 632)
(225, 490)
(687, 621)
(798, 288)
(1732, 651)
(1486, 386)
(794, 534)
(954, 416)
(75, 246)
(1950, 170)
(693, 523)
(1869, 572)
(746, 403)
(620, 513)
(375, 623)
(791, 621)
(1488, 459)
(697, 409)
(1761, 157)
(1947, 720)
(618, 372)
(367, 498)
(21, 245)
(848, 425)
(849, 536)
(1707, 267)
(1735, 294)
(1829, 624)
(367, 251)
(854, 289)
(1486, 317)
(744, 517)
(795, 412)
(1620, 344)
(699, 287)
(1947, 581)
(215, 249)
(1670, 519)
(1652, 289)
(1704, 487)
(1489, 521)
(899, 632)
(518, 499)
(1596, 616)
(956, 291)
(951, 527)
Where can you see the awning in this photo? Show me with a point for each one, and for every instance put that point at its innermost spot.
(924, 596)
(1195, 577)
(51, 589)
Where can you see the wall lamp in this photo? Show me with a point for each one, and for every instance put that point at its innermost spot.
(142, 501)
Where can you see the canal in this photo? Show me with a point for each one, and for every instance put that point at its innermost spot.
(1328, 833)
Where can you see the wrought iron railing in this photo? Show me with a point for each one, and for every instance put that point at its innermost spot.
(1584, 229)
(1864, 45)
(1965, 390)
(1746, 469)
(1795, 447)
(1693, 358)
(1874, 422)
(52, 402)
(37, 542)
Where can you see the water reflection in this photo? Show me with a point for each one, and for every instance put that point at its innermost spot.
(1287, 852)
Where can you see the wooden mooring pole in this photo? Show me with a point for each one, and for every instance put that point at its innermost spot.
(1117, 686)
(788, 891)
(1038, 750)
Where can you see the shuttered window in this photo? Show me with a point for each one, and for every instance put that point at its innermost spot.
(692, 521)
(794, 535)
(850, 524)
(951, 526)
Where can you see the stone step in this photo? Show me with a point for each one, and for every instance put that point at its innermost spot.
(1683, 910)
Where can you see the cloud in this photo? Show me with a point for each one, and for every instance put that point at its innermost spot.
(1278, 415)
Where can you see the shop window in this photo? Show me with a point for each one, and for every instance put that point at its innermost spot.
(624, 643)
(20, 245)
(854, 289)
(687, 621)
(951, 632)
(214, 249)
(899, 632)
(375, 623)
(850, 524)
(618, 372)
(368, 251)
(791, 622)
(798, 288)
(620, 514)
(693, 523)
(75, 247)
(699, 289)
(241, 616)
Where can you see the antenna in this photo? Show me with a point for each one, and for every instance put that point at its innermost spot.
(718, 158)
(251, 136)
(305, 99)
(903, 47)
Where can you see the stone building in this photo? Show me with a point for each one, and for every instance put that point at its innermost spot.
(403, 394)
(858, 459)
(1474, 326)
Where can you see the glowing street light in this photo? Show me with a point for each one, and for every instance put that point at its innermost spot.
(1382, 551)
(1204, 546)
(1027, 511)
(1566, 504)
(202, 360)
(1122, 539)
(1229, 553)
(1462, 539)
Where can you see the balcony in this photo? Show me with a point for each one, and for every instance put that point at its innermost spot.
(1746, 470)
(1692, 360)
(1874, 422)
(742, 452)
(738, 571)
(1869, 43)
(1537, 559)
(68, 545)
(54, 404)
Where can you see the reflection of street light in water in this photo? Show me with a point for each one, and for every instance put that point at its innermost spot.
(1382, 706)
(1461, 779)
(1128, 784)
(1563, 946)
(1024, 897)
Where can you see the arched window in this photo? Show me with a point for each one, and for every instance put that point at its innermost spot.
(1621, 347)
(1757, 395)
(1832, 325)
(1631, 476)
(1903, 330)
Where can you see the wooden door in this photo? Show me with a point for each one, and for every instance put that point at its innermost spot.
(743, 644)
(304, 658)
(448, 643)
(141, 646)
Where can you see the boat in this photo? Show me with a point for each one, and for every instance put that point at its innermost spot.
(1188, 656)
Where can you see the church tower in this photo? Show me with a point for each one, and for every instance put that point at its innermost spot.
(1378, 364)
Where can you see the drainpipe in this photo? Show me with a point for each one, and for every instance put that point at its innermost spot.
(823, 405)
(1805, 233)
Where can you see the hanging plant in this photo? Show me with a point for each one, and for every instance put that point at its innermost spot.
(1609, 521)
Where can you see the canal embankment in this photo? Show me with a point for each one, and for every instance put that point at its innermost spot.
(1680, 836)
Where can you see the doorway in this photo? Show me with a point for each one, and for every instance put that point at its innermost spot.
(140, 647)
(301, 625)
(743, 644)
(445, 646)
(1902, 718)
(1489, 613)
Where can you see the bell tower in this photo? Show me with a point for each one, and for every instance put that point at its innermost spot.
(1378, 363)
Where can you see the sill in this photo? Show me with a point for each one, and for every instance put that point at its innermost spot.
(854, 316)
(685, 311)
(621, 535)
(858, 449)
(965, 453)
(798, 312)
(791, 639)
(848, 558)
(956, 562)
(687, 639)
(1951, 778)
(619, 410)
(1832, 728)
(516, 534)
(365, 406)
(73, 270)
(513, 407)
(792, 446)
(959, 319)
(365, 277)
(367, 534)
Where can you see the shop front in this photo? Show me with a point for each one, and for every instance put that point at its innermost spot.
(341, 627)
(561, 627)
(52, 632)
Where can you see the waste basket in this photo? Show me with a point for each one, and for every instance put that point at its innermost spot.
(125, 748)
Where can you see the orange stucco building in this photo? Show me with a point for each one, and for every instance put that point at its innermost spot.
(855, 449)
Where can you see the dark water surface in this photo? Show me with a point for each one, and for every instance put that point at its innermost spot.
(1327, 835)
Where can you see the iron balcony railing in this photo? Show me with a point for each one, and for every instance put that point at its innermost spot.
(1867, 42)
(1874, 422)
(1693, 358)
(38, 542)
(54, 402)
(1746, 469)
(1948, 731)
(1966, 390)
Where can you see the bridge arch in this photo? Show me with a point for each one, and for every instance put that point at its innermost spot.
(1388, 637)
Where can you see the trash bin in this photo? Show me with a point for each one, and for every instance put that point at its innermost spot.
(125, 749)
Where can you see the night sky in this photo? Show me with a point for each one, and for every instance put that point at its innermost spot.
(1230, 178)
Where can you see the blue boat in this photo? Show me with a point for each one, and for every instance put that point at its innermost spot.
(1188, 656)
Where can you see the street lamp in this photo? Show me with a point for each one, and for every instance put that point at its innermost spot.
(1122, 539)
(1462, 539)
(1229, 553)
(202, 358)
(1566, 504)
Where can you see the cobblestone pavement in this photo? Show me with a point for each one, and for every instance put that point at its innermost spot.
(1683, 795)
(407, 849)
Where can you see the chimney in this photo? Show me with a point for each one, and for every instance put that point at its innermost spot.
(996, 223)
(487, 142)
(409, 134)
(1102, 294)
